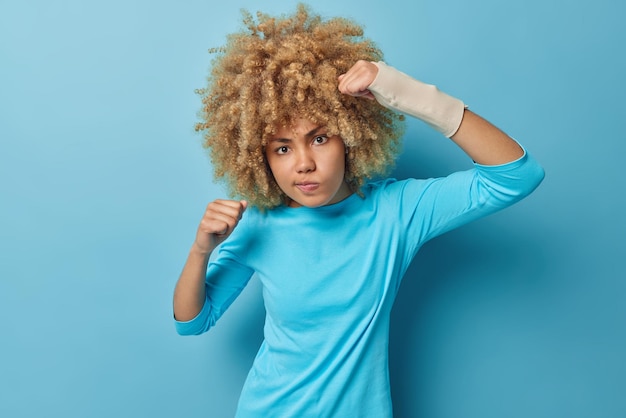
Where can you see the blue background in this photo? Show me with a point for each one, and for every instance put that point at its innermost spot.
(103, 181)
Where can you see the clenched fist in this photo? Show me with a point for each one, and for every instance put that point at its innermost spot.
(357, 79)
(218, 222)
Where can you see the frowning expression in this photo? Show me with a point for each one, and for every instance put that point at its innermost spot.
(308, 165)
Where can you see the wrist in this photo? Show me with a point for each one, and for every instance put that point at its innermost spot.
(396, 90)
(201, 251)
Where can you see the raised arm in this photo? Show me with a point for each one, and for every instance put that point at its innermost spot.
(479, 139)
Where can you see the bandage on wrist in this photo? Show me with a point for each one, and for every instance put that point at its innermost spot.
(396, 90)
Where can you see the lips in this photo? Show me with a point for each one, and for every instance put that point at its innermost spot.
(307, 187)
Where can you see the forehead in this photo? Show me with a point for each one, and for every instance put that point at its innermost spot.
(297, 127)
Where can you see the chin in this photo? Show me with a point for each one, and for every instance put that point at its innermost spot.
(311, 202)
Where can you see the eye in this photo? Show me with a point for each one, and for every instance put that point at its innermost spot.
(320, 139)
(282, 150)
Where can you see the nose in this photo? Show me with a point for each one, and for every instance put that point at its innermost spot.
(305, 162)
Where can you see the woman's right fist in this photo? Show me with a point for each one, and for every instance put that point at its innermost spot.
(219, 220)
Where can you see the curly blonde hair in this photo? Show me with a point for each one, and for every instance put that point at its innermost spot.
(277, 70)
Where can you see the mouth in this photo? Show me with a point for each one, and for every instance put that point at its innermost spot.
(307, 187)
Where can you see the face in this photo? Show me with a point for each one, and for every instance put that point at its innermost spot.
(308, 165)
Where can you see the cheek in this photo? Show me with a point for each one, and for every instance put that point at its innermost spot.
(268, 164)
(340, 161)
(275, 168)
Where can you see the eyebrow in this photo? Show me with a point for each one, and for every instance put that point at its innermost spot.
(309, 134)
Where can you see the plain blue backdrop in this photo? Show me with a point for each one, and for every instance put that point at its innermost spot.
(103, 181)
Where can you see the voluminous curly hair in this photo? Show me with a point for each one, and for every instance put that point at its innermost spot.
(277, 70)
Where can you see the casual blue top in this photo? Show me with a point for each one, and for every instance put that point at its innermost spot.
(330, 276)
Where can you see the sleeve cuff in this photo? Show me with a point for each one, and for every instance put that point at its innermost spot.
(194, 326)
